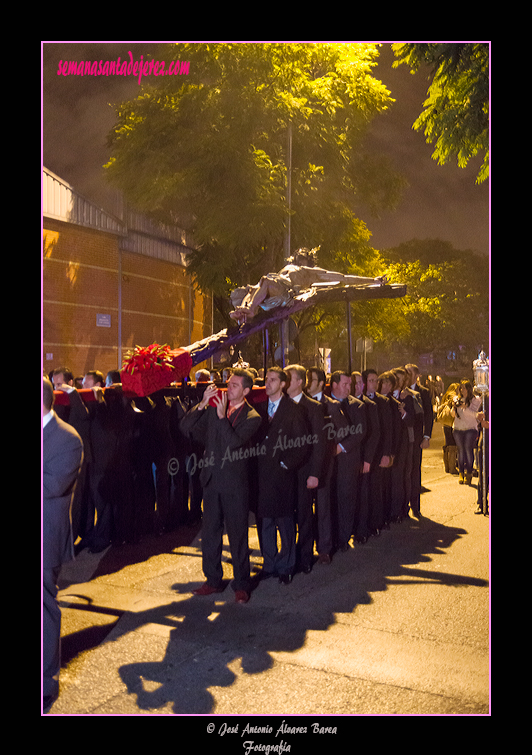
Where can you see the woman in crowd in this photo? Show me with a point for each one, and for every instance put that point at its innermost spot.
(465, 429)
(446, 417)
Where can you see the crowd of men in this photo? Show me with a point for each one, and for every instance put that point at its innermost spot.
(320, 463)
(331, 463)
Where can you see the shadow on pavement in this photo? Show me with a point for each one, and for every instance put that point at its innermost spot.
(207, 635)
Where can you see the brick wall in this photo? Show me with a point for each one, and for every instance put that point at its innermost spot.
(81, 300)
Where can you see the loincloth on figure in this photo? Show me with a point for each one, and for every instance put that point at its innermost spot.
(280, 292)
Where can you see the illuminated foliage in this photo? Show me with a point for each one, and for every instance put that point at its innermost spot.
(446, 306)
(210, 152)
(447, 302)
(456, 112)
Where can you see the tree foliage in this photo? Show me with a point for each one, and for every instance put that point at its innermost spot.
(210, 153)
(456, 112)
(447, 301)
(446, 306)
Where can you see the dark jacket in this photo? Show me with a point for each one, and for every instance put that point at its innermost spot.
(352, 436)
(428, 411)
(372, 438)
(228, 444)
(385, 444)
(285, 444)
(315, 417)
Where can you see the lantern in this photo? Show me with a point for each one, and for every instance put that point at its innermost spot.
(481, 368)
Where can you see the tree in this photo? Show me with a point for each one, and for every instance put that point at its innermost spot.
(210, 153)
(456, 114)
(447, 302)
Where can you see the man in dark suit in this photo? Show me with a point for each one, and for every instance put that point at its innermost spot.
(285, 445)
(383, 453)
(422, 434)
(227, 425)
(116, 489)
(334, 423)
(62, 456)
(310, 473)
(394, 475)
(77, 414)
(410, 405)
(348, 457)
(369, 449)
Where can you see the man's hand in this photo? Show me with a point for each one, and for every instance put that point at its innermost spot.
(210, 392)
(98, 393)
(221, 404)
(64, 387)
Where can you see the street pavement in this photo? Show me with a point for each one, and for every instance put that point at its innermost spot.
(397, 626)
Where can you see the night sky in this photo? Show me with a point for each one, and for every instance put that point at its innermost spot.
(441, 202)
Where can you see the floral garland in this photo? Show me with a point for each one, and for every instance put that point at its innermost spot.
(149, 357)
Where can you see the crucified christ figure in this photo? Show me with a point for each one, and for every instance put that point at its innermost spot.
(278, 289)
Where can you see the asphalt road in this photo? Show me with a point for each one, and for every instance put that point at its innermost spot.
(398, 626)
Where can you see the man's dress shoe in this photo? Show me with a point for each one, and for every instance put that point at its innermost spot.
(206, 589)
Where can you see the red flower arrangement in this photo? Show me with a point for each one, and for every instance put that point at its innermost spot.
(147, 369)
(147, 358)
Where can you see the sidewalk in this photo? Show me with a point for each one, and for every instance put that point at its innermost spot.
(399, 625)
